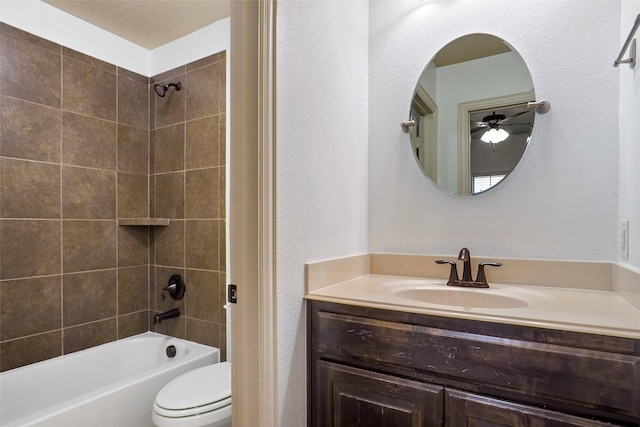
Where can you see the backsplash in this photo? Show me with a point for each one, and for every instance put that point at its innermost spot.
(74, 158)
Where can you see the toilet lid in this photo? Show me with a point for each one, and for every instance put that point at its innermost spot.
(200, 387)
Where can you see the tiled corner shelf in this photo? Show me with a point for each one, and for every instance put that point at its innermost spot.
(156, 222)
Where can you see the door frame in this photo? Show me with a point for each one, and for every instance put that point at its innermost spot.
(252, 213)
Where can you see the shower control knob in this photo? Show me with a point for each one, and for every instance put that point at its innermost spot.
(175, 288)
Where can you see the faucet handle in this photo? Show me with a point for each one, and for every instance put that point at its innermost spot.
(453, 273)
(481, 276)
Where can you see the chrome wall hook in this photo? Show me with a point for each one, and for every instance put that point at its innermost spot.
(541, 107)
(406, 125)
(631, 60)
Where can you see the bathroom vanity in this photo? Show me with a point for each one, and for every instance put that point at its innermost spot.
(391, 350)
(374, 367)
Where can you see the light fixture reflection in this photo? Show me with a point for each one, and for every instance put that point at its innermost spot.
(494, 135)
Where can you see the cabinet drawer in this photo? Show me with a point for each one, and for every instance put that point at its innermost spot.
(587, 378)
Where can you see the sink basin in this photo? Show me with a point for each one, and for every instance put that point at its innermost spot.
(479, 298)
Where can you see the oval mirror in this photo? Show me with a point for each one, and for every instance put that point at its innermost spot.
(469, 108)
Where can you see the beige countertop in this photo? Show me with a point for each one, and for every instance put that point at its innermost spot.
(601, 312)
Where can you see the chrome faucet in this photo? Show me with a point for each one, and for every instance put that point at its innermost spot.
(467, 280)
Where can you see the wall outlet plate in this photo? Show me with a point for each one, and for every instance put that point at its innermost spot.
(624, 239)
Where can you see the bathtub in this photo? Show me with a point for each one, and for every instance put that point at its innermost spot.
(112, 385)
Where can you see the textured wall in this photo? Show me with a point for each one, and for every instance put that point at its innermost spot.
(322, 163)
(188, 186)
(561, 200)
(629, 187)
(73, 159)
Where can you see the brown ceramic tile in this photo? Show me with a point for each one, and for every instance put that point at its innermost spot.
(29, 189)
(29, 248)
(201, 243)
(173, 74)
(223, 86)
(88, 193)
(133, 98)
(28, 39)
(223, 139)
(133, 292)
(152, 196)
(151, 97)
(169, 244)
(207, 333)
(29, 72)
(169, 148)
(29, 306)
(88, 297)
(133, 150)
(152, 287)
(203, 91)
(132, 195)
(133, 324)
(88, 245)
(88, 60)
(222, 250)
(203, 143)
(203, 299)
(203, 62)
(170, 108)
(131, 75)
(29, 131)
(170, 195)
(133, 243)
(202, 194)
(88, 90)
(89, 335)
(87, 141)
(25, 351)
(222, 198)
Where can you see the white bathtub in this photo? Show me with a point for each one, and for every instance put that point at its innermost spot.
(112, 385)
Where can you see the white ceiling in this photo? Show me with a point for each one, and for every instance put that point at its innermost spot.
(147, 23)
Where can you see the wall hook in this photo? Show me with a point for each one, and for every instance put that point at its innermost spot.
(541, 107)
(406, 125)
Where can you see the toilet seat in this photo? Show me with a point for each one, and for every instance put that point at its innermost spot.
(197, 392)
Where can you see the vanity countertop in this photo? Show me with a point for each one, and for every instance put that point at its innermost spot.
(579, 310)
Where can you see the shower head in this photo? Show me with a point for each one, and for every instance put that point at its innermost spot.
(161, 90)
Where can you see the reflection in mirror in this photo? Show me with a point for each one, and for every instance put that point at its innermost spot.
(474, 88)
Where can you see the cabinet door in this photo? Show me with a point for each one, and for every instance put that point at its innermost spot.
(349, 397)
(469, 410)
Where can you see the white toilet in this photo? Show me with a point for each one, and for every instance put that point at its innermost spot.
(198, 398)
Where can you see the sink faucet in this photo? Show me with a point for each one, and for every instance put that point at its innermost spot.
(467, 280)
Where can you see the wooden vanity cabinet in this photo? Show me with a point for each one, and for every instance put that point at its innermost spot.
(372, 367)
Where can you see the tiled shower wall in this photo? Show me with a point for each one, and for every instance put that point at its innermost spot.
(188, 186)
(74, 157)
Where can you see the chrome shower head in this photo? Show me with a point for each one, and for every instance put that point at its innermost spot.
(161, 90)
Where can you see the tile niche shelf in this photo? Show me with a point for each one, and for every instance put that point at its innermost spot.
(156, 222)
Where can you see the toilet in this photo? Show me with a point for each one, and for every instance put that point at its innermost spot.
(198, 398)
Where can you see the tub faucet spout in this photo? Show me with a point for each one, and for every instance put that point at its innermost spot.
(158, 318)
